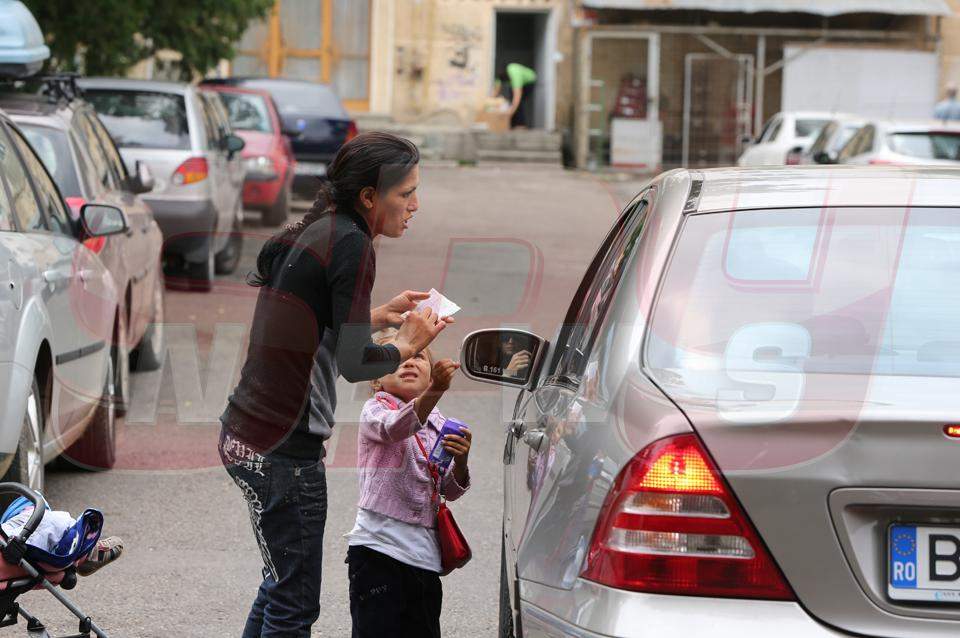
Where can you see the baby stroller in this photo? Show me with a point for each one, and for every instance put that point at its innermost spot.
(25, 567)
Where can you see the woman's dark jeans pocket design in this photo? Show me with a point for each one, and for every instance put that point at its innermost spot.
(287, 499)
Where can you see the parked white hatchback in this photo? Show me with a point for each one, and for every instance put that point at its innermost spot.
(785, 134)
(918, 143)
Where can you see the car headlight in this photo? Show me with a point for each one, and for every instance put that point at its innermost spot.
(260, 167)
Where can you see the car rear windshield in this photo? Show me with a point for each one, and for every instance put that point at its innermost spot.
(247, 112)
(53, 149)
(863, 291)
(301, 98)
(810, 128)
(941, 146)
(142, 119)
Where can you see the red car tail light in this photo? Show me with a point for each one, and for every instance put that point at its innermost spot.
(192, 170)
(351, 131)
(670, 525)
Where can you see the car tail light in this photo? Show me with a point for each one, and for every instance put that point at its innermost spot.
(794, 156)
(880, 162)
(191, 171)
(670, 525)
(351, 131)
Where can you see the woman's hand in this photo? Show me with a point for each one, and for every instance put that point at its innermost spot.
(417, 331)
(391, 313)
(442, 375)
(518, 363)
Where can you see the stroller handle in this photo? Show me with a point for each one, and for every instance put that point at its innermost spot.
(39, 508)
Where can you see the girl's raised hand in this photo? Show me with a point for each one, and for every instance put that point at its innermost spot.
(442, 374)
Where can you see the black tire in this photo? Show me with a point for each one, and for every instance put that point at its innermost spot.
(96, 449)
(200, 275)
(505, 624)
(277, 214)
(120, 354)
(150, 351)
(26, 466)
(228, 259)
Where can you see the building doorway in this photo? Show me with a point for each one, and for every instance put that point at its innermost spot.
(529, 38)
(320, 41)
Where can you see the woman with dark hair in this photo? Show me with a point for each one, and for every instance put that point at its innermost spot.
(312, 323)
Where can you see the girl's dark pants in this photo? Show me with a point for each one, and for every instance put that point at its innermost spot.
(287, 499)
(390, 598)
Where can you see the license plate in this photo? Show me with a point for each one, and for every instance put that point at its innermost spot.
(311, 168)
(923, 563)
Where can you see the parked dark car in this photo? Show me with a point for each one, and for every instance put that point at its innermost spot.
(267, 156)
(312, 116)
(79, 154)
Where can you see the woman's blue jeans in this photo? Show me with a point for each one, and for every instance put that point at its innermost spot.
(287, 499)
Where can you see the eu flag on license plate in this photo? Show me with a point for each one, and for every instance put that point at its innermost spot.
(903, 556)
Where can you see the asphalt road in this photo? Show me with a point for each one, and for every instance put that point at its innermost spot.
(509, 244)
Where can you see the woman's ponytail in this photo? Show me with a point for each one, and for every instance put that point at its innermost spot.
(380, 160)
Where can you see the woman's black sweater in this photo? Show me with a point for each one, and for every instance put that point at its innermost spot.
(312, 315)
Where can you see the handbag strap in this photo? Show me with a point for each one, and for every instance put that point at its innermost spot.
(433, 470)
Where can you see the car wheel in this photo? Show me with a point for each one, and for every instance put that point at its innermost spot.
(505, 626)
(27, 465)
(278, 213)
(96, 449)
(200, 276)
(229, 258)
(120, 354)
(150, 351)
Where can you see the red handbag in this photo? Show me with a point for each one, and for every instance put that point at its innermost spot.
(454, 549)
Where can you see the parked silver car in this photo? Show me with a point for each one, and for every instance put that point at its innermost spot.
(186, 140)
(76, 149)
(904, 143)
(746, 425)
(59, 316)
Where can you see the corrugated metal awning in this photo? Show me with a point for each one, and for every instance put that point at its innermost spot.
(817, 7)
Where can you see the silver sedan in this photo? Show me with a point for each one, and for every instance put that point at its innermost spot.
(747, 422)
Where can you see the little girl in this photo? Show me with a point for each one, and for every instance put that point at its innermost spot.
(394, 554)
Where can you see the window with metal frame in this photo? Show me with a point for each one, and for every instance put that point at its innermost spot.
(596, 291)
(26, 211)
(51, 202)
(109, 149)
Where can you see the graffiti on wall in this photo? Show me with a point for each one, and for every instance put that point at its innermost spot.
(458, 76)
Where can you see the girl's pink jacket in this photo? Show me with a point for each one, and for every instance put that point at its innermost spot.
(394, 476)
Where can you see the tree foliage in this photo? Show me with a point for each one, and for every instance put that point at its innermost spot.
(105, 37)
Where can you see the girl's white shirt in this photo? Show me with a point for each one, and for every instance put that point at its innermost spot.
(413, 545)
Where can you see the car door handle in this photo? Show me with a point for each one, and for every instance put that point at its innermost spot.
(534, 438)
(55, 276)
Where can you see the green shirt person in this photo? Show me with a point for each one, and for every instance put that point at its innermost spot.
(521, 80)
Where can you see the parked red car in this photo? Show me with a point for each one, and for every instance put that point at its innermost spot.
(267, 156)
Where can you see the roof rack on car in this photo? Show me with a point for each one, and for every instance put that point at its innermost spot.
(62, 86)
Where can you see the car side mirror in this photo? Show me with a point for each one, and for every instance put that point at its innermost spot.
(142, 181)
(233, 144)
(823, 157)
(504, 357)
(101, 220)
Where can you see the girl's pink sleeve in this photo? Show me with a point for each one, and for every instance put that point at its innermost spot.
(383, 424)
(451, 489)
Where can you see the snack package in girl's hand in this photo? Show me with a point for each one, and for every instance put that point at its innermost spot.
(439, 304)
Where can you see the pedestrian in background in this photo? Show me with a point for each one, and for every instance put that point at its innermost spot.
(313, 313)
(948, 108)
(521, 81)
